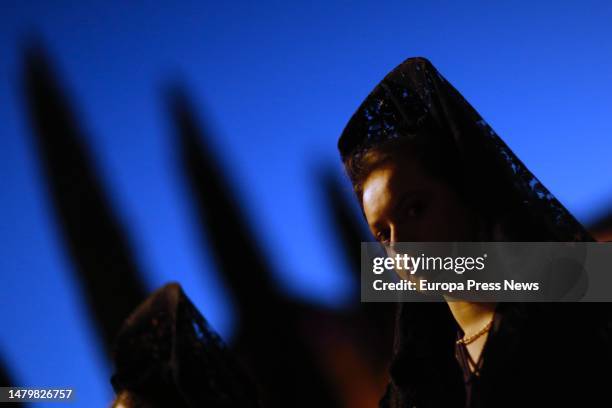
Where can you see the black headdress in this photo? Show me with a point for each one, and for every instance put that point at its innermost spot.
(167, 355)
(415, 102)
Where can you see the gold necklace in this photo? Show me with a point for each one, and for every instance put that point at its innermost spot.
(470, 339)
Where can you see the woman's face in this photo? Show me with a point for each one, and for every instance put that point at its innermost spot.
(402, 203)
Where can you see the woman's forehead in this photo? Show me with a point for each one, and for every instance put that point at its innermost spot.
(378, 189)
(387, 182)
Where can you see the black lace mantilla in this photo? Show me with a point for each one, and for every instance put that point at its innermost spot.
(416, 101)
(167, 353)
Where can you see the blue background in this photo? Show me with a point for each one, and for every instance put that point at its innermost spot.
(277, 82)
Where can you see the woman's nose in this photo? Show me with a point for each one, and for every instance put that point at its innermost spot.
(393, 236)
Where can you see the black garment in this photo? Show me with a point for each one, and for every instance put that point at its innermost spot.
(471, 371)
(541, 355)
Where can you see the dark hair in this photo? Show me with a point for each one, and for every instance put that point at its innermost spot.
(442, 161)
(439, 161)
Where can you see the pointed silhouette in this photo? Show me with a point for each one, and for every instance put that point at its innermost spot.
(371, 325)
(5, 380)
(274, 334)
(95, 240)
(352, 231)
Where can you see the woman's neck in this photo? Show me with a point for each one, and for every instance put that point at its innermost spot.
(471, 316)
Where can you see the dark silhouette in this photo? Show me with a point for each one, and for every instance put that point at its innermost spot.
(96, 241)
(271, 337)
(351, 231)
(5, 379)
(167, 355)
(300, 355)
(342, 216)
(369, 325)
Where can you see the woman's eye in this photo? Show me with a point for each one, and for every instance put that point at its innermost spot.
(413, 209)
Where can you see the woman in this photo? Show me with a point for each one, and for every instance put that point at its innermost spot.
(166, 355)
(426, 167)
